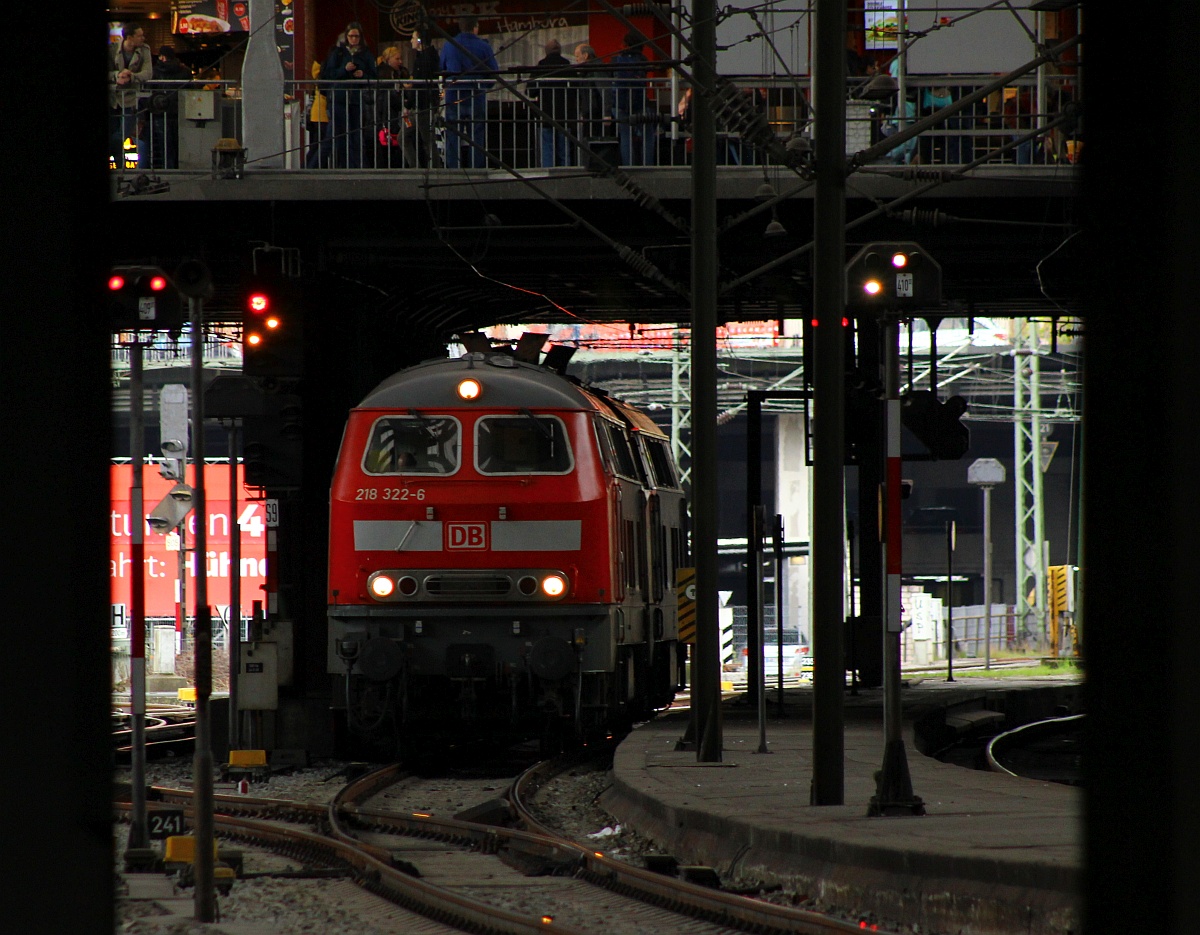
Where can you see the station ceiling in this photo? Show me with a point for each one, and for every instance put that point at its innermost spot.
(458, 265)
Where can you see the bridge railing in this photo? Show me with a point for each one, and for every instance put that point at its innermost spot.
(533, 123)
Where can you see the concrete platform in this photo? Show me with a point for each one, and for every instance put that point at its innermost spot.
(992, 854)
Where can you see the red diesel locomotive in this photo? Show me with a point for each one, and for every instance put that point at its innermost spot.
(503, 545)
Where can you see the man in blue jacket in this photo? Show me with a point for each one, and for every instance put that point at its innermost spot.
(630, 107)
(466, 99)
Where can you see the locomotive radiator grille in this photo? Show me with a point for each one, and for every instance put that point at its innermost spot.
(475, 586)
(468, 585)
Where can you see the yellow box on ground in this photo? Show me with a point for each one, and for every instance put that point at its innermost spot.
(246, 759)
(187, 694)
(181, 849)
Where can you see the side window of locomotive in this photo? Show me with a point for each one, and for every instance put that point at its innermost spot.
(660, 462)
(626, 463)
(604, 445)
(413, 445)
(524, 444)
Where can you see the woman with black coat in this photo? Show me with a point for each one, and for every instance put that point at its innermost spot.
(348, 68)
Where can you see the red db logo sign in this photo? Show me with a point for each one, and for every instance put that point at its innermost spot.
(466, 535)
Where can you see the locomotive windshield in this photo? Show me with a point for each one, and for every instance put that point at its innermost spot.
(524, 444)
(415, 444)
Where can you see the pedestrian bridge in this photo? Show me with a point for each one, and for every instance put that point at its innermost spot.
(389, 140)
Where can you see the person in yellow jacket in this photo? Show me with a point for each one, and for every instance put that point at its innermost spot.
(317, 127)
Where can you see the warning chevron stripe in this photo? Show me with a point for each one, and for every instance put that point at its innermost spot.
(685, 593)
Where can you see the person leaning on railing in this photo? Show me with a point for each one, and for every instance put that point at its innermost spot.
(130, 66)
(394, 144)
(350, 62)
(164, 108)
(548, 89)
(630, 104)
(426, 100)
(320, 145)
(470, 66)
(588, 85)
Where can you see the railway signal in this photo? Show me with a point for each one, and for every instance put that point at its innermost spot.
(273, 443)
(890, 276)
(936, 423)
(272, 334)
(143, 298)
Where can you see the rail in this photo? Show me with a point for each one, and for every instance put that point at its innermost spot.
(531, 124)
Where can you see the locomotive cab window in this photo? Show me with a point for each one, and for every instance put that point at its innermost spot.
(415, 444)
(659, 456)
(623, 459)
(522, 444)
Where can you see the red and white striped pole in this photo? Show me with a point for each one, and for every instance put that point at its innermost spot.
(895, 793)
(138, 830)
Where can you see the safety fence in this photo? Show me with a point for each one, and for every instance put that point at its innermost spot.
(526, 122)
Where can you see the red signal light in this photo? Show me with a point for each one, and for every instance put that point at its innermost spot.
(258, 302)
(116, 283)
(158, 283)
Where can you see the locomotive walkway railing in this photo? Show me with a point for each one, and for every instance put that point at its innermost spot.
(533, 124)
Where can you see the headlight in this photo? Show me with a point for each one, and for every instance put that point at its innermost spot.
(554, 585)
(381, 586)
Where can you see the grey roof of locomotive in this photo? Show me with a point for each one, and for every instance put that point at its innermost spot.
(507, 383)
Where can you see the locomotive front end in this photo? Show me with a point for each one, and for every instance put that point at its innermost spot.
(470, 567)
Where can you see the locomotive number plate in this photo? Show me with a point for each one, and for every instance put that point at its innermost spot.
(395, 494)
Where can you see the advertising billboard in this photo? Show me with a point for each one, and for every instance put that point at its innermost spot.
(162, 551)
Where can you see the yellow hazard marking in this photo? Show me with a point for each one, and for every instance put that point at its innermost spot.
(685, 598)
(181, 849)
(246, 758)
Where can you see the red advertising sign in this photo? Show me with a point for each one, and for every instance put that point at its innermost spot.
(162, 553)
(207, 16)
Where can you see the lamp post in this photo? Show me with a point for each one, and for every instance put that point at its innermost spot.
(986, 473)
(951, 536)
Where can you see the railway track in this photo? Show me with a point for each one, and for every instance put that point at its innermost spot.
(170, 731)
(502, 873)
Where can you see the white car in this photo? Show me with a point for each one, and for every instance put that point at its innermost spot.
(955, 332)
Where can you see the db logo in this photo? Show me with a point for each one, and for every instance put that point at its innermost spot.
(466, 535)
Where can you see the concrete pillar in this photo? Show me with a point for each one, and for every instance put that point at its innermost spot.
(262, 92)
(793, 502)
